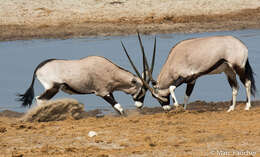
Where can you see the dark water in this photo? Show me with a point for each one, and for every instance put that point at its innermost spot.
(18, 60)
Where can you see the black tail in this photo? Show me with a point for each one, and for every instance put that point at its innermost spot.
(250, 75)
(28, 96)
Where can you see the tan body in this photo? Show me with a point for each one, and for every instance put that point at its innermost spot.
(193, 58)
(90, 75)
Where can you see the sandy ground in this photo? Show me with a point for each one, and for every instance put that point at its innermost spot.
(26, 19)
(205, 129)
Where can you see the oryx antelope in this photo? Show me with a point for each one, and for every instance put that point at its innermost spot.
(192, 58)
(90, 75)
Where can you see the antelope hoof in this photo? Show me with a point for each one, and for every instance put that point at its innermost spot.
(231, 108)
(247, 106)
(39, 101)
(166, 107)
(176, 104)
(247, 109)
(119, 109)
(138, 104)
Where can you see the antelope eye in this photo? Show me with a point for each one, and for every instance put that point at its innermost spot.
(134, 81)
(154, 83)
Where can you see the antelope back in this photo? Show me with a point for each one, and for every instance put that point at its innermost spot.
(194, 56)
(92, 74)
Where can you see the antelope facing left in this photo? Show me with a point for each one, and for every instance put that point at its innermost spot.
(90, 75)
(193, 58)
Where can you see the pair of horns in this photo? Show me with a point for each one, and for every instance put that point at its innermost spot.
(145, 65)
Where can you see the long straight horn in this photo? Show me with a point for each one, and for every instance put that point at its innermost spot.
(145, 64)
(135, 69)
(153, 59)
(145, 59)
(138, 74)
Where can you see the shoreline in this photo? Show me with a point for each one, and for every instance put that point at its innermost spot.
(195, 106)
(236, 20)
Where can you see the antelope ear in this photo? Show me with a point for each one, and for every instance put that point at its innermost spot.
(133, 81)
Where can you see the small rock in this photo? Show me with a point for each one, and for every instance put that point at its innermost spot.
(103, 155)
(92, 134)
(2, 130)
(100, 115)
(152, 144)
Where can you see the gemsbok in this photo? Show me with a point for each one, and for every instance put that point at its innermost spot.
(91, 75)
(192, 58)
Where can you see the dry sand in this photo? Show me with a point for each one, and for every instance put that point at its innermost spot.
(26, 19)
(206, 129)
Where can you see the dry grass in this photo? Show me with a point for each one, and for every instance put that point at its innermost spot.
(55, 110)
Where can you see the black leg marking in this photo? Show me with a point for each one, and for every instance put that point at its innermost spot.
(48, 94)
(189, 88)
(188, 92)
(110, 99)
(111, 94)
(231, 76)
(232, 82)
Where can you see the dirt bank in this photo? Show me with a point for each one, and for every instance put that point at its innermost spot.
(206, 129)
(25, 19)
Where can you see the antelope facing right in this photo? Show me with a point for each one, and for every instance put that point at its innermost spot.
(90, 75)
(193, 58)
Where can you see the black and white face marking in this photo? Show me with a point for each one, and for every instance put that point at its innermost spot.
(165, 104)
(146, 76)
(139, 98)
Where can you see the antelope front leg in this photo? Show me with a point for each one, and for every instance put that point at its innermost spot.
(176, 84)
(172, 88)
(110, 99)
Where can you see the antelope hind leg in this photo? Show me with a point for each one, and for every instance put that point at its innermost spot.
(47, 95)
(188, 92)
